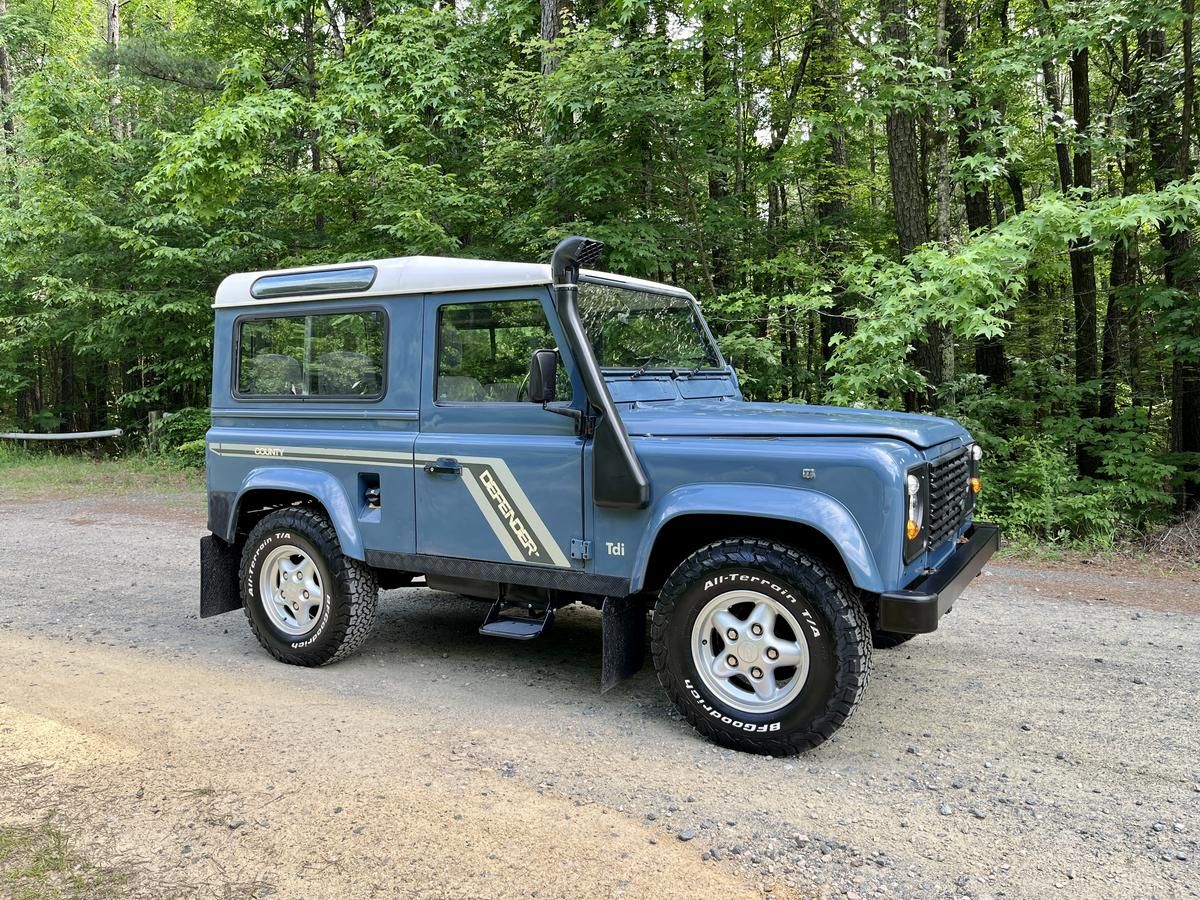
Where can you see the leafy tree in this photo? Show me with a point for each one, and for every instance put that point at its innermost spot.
(983, 207)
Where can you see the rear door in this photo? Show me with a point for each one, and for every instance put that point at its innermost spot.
(498, 479)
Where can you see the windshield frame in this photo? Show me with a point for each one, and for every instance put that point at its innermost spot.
(662, 290)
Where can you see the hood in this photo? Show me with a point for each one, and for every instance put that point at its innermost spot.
(706, 418)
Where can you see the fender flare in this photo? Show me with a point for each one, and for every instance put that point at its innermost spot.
(320, 486)
(799, 506)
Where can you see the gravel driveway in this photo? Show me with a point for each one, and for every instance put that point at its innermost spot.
(1043, 743)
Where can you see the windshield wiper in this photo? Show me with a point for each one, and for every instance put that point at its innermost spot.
(700, 362)
(644, 363)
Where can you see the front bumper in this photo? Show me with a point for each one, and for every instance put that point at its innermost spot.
(918, 608)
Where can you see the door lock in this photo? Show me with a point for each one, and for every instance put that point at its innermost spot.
(443, 466)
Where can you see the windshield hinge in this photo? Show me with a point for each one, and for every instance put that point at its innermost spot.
(581, 549)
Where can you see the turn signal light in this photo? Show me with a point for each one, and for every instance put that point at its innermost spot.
(911, 530)
(976, 485)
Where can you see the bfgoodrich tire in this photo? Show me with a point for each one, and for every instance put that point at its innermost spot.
(307, 602)
(760, 646)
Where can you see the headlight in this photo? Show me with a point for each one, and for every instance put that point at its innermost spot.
(916, 500)
(912, 527)
(976, 481)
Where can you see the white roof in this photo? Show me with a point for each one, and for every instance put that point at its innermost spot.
(422, 275)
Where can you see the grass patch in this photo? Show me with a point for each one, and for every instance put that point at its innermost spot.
(26, 474)
(38, 863)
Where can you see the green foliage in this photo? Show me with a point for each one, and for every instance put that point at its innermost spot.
(41, 863)
(1031, 483)
(970, 289)
(1032, 489)
(190, 454)
(179, 437)
(740, 151)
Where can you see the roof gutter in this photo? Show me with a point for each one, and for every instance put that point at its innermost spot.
(618, 479)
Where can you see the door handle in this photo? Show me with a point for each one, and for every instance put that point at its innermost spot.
(443, 466)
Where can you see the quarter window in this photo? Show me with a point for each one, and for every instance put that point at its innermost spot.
(484, 351)
(330, 356)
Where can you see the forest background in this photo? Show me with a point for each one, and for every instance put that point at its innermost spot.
(981, 208)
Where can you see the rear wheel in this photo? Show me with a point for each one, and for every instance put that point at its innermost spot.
(307, 602)
(761, 646)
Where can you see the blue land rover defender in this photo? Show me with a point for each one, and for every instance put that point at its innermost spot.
(541, 435)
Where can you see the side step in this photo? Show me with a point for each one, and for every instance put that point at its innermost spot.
(515, 627)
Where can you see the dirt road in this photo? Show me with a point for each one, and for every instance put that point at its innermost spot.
(1044, 743)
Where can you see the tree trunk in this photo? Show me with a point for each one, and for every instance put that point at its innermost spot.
(907, 181)
(314, 137)
(1119, 280)
(112, 36)
(337, 23)
(1058, 125)
(945, 14)
(942, 336)
(1083, 261)
(718, 177)
(6, 117)
(1170, 151)
(990, 358)
(830, 67)
(549, 30)
(1123, 274)
(975, 196)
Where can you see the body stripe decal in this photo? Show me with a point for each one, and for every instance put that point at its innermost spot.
(493, 520)
(497, 493)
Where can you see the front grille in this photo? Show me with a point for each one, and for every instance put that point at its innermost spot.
(949, 493)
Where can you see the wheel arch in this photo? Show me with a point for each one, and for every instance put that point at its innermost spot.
(269, 488)
(697, 515)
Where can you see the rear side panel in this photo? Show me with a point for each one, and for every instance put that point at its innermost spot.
(336, 450)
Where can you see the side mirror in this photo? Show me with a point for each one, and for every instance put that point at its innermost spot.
(543, 375)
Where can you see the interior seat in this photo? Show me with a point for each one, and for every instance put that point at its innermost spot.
(272, 373)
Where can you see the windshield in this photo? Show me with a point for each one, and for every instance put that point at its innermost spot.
(631, 329)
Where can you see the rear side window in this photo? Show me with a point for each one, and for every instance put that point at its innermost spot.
(328, 356)
(484, 351)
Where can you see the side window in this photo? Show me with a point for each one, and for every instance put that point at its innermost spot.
(331, 355)
(484, 351)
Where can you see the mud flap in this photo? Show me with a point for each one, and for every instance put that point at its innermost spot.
(218, 577)
(624, 636)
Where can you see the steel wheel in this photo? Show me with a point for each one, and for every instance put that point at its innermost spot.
(291, 590)
(750, 651)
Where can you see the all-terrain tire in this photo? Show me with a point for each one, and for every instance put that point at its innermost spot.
(886, 640)
(351, 591)
(834, 627)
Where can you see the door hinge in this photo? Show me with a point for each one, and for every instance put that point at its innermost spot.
(581, 549)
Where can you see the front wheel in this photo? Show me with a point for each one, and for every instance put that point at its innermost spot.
(760, 646)
(307, 602)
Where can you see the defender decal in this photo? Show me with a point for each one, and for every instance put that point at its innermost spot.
(507, 509)
(507, 514)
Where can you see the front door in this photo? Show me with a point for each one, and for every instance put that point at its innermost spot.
(498, 479)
